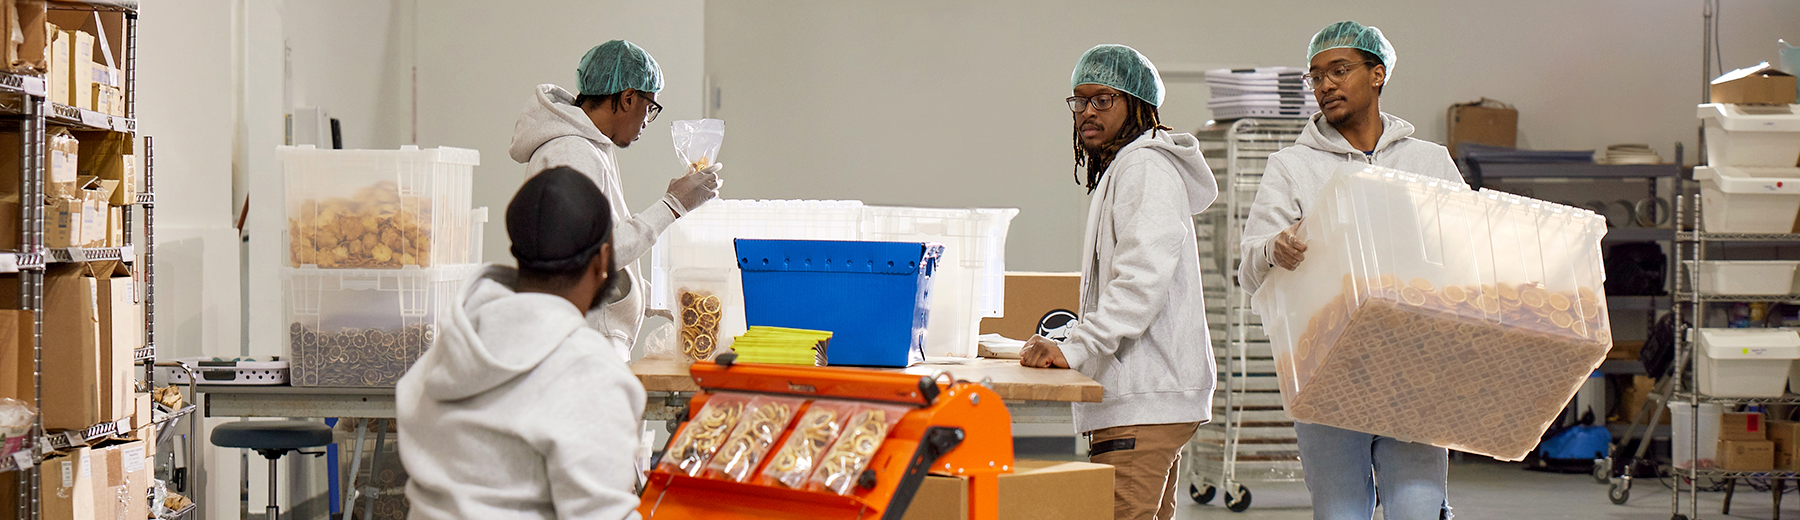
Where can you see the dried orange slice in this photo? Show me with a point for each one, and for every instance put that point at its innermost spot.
(1561, 320)
(1586, 295)
(1388, 280)
(1533, 297)
(1490, 304)
(1422, 284)
(1413, 295)
(1509, 292)
(1559, 302)
(1454, 294)
(1590, 310)
(1579, 328)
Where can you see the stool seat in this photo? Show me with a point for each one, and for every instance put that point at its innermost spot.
(271, 435)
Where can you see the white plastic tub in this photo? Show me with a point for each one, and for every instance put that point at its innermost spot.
(1747, 277)
(364, 327)
(1748, 135)
(377, 209)
(1746, 362)
(1681, 422)
(1749, 199)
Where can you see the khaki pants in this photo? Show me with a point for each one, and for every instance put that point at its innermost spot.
(1146, 461)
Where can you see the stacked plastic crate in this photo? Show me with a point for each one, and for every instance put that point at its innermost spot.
(1250, 438)
(1265, 92)
(378, 244)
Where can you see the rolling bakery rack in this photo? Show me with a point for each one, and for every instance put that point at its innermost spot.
(950, 428)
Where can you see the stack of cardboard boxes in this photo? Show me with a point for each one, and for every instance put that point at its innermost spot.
(1744, 443)
(81, 66)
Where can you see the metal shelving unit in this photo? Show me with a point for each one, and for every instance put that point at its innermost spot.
(1251, 437)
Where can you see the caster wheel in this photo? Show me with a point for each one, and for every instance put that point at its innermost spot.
(1602, 470)
(1619, 491)
(1202, 493)
(1238, 499)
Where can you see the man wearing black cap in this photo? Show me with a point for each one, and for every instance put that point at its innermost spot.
(520, 410)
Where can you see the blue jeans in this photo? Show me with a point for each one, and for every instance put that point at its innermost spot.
(1342, 468)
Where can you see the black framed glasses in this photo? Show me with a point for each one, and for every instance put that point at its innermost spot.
(1099, 102)
(1336, 74)
(655, 108)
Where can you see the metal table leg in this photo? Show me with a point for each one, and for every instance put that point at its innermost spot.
(374, 471)
(349, 479)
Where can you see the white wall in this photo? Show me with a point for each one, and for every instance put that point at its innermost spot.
(479, 62)
(944, 103)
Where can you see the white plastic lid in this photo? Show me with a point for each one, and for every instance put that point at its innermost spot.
(1750, 343)
(1753, 118)
(1764, 180)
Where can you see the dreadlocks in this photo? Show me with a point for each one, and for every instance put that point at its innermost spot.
(1141, 119)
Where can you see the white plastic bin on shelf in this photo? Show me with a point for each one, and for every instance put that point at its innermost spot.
(377, 209)
(1751, 135)
(1681, 429)
(1746, 362)
(1748, 199)
(1747, 277)
(364, 327)
(696, 254)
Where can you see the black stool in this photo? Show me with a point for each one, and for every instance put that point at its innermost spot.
(272, 439)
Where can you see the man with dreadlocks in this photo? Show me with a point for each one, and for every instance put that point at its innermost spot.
(1142, 333)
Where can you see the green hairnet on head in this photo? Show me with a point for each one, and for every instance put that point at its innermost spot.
(1122, 68)
(614, 66)
(1352, 35)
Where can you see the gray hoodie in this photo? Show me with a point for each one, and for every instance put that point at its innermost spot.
(552, 131)
(1143, 333)
(519, 411)
(1297, 174)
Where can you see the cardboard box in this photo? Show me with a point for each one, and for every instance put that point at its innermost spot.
(15, 355)
(95, 210)
(1483, 121)
(1762, 84)
(1627, 350)
(108, 155)
(56, 68)
(121, 333)
(142, 414)
(69, 485)
(115, 226)
(1744, 426)
(1034, 490)
(121, 480)
(1784, 434)
(81, 68)
(72, 383)
(1746, 455)
(1634, 397)
(62, 159)
(31, 52)
(1031, 297)
(62, 222)
(100, 96)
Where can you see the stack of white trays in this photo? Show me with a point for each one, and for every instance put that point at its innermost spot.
(1268, 92)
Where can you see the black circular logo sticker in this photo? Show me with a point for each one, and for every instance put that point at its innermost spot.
(1056, 324)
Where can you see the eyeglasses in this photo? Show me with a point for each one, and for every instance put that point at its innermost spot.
(655, 108)
(1100, 102)
(1337, 74)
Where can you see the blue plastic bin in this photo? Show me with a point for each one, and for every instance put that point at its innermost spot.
(873, 296)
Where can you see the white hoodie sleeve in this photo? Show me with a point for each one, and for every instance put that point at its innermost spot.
(633, 236)
(1149, 206)
(589, 441)
(1275, 209)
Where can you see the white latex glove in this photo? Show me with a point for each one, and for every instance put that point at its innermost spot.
(691, 190)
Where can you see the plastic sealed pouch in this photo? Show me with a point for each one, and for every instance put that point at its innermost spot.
(763, 422)
(697, 141)
(850, 454)
(818, 427)
(704, 434)
(697, 318)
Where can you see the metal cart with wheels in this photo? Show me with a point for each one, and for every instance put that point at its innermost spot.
(1251, 438)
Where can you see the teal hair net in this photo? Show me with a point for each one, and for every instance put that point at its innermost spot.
(1352, 35)
(1122, 68)
(614, 66)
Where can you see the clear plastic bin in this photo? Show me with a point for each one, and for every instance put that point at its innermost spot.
(1751, 135)
(377, 209)
(1431, 313)
(695, 255)
(1681, 429)
(1748, 199)
(1745, 362)
(1747, 277)
(364, 327)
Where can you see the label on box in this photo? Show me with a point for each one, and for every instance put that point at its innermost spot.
(68, 473)
(134, 458)
(22, 460)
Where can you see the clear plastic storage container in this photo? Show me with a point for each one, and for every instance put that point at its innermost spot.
(364, 327)
(1431, 313)
(377, 209)
(1745, 362)
(1748, 199)
(694, 257)
(1747, 277)
(1751, 135)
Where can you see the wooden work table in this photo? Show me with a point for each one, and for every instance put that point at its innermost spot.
(1007, 378)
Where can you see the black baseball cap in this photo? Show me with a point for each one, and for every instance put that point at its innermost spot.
(557, 221)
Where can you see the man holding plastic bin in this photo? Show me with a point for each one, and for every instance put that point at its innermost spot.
(1349, 66)
(618, 84)
(1143, 333)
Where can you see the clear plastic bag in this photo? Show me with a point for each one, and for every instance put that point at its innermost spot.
(15, 418)
(844, 463)
(765, 419)
(697, 141)
(698, 317)
(821, 424)
(704, 434)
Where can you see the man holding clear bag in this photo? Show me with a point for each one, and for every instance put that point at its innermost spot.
(618, 82)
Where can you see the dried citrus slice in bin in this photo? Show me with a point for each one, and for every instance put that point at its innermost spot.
(1559, 302)
(1412, 296)
(1455, 294)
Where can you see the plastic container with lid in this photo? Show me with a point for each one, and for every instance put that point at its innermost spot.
(377, 209)
(1428, 312)
(1745, 362)
(872, 296)
(1738, 199)
(1747, 277)
(1751, 135)
(363, 328)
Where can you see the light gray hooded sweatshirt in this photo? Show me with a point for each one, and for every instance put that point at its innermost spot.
(552, 131)
(1296, 174)
(519, 411)
(1143, 333)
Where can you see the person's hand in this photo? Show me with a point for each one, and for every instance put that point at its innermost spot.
(691, 190)
(1042, 352)
(1287, 248)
